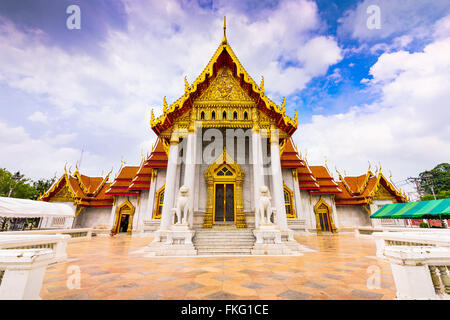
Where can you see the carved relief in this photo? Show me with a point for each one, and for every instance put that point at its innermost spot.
(224, 88)
(62, 195)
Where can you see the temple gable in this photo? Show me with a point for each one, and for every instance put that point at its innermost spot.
(224, 88)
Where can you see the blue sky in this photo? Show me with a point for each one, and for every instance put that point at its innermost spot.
(378, 95)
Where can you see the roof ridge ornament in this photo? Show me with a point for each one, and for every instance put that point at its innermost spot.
(186, 86)
(224, 40)
(261, 86)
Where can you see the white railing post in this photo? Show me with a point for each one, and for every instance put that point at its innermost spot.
(420, 272)
(23, 273)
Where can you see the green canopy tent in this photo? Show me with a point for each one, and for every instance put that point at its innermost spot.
(433, 209)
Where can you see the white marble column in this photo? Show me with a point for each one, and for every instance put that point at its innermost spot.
(151, 194)
(171, 177)
(189, 171)
(258, 170)
(277, 179)
(297, 198)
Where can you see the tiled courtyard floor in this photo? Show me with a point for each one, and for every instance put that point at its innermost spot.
(110, 268)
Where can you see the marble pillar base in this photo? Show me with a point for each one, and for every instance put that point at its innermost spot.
(272, 241)
(176, 241)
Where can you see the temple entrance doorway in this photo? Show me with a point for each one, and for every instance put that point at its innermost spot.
(124, 218)
(224, 208)
(324, 220)
(224, 203)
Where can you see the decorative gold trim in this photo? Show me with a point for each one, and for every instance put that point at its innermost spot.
(156, 216)
(293, 214)
(128, 204)
(329, 215)
(208, 72)
(224, 160)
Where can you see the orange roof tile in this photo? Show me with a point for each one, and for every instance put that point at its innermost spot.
(290, 157)
(158, 158)
(360, 190)
(122, 182)
(79, 185)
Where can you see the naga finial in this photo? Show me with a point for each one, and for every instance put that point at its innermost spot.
(283, 106)
(165, 106)
(186, 85)
(261, 86)
(152, 117)
(296, 118)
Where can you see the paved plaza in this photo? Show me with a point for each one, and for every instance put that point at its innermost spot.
(114, 268)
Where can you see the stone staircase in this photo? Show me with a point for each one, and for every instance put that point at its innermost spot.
(224, 239)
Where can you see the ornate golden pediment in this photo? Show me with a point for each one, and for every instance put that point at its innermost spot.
(224, 89)
(383, 194)
(63, 195)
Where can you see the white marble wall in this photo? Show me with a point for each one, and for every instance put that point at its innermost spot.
(352, 217)
(93, 217)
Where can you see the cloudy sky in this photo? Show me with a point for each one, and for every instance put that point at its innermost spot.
(363, 94)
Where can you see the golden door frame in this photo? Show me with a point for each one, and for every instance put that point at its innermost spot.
(116, 226)
(330, 216)
(212, 179)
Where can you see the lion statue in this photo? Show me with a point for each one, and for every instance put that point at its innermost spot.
(182, 210)
(264, 208)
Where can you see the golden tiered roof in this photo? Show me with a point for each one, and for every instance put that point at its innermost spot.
(213, 85)
(83, 190)
(361, 190)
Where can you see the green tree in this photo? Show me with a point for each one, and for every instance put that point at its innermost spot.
(437, 181)
(17, 186)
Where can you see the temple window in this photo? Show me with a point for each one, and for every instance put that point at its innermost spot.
(224, 172)
(213, 115)
(202, 115)
(235, 115)
(159, 203)
(290, 213)
(224, 115)
(245, 115)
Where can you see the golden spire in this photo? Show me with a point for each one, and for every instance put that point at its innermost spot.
(224, 40)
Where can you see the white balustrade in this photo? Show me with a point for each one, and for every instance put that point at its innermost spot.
(370, 231)
(420, 272)
(439, 238)
(76, 235)
(56, 243)
(22, 273)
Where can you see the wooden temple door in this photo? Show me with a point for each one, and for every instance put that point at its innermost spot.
(224, 203)
(324, 218)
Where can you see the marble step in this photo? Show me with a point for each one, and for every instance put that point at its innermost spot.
(224, 244)
(224, 251)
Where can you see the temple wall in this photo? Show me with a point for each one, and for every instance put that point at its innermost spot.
(93, 217)
(352, 217)
(307, 210)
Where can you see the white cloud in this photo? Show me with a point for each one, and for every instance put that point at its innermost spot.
(407, 130)
(109, 96)
(38, 117)
(397, 18)
(42, 157)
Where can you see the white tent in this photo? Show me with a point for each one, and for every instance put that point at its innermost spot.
(23, 208)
